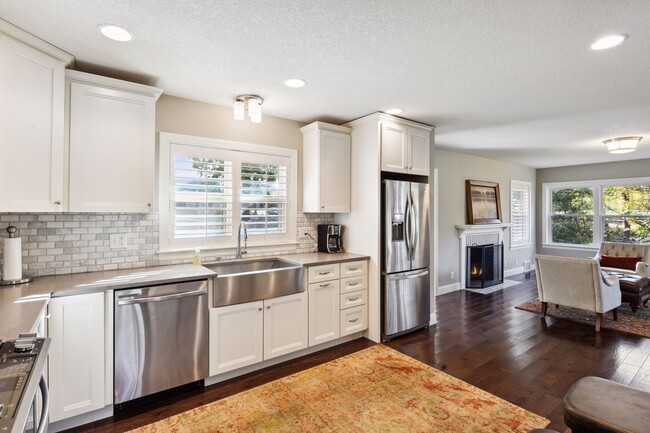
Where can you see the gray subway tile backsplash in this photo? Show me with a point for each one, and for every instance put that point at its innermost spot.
(55, 244)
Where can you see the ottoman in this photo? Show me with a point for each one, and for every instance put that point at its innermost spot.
(635, 290)
(596, 405)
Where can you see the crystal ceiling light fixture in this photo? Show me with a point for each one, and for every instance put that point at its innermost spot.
(622, 144)
(610, 41)
(252, 103)
(115, 33)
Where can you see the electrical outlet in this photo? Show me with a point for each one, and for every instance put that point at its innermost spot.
(452, 275)
(118, 240)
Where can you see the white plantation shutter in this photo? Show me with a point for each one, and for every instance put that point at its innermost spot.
(202, 197)
(263, 198)
(520, 214)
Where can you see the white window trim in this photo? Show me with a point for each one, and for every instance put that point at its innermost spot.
(165, 142)
(597, 186)
(519, 185)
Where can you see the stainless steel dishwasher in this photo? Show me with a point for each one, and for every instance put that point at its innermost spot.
(161, 338)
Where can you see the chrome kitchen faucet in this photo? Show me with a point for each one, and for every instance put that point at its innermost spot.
(239, 250)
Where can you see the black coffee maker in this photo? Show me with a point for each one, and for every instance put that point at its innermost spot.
(330, 238)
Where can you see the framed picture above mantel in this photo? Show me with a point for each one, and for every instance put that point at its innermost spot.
(483, 202)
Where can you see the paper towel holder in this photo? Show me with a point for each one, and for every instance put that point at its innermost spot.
(12, 234)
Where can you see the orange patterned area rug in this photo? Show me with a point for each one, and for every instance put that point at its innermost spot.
(374, 390)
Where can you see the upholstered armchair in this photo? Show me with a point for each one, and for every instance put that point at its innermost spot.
(624, 258)
(577, 283)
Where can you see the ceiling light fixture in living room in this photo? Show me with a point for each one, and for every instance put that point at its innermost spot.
(622, 144)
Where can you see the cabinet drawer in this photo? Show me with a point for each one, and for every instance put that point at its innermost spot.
(354, 299)
(352, 269)
(323, 273)
(352, 284)
(353, 320)
(324, 285)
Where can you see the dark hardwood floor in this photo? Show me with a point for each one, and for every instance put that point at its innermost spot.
(481, 339)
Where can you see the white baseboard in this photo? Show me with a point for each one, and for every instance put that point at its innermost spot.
(516, 271)
(433, 319)
(453, 287)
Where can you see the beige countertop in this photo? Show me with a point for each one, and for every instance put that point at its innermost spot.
(22, 305)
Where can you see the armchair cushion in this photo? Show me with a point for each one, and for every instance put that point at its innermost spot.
(620, 262)
(620, 249)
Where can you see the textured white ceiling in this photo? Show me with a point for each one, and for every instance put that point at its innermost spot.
(512, 80)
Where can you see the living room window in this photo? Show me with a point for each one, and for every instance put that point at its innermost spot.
(208, 186)
(583, 214)
(520, 214)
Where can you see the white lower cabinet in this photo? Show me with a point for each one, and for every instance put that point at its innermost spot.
(244, 334)
(236, 336)
(285, 325)
(334, 290)
(77, 358)
(323, 312)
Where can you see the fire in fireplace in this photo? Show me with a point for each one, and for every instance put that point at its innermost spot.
(484, 265)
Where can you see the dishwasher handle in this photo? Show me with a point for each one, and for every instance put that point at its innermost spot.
(135, 300)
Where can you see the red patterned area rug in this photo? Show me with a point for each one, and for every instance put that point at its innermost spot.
(374, 390)
(637, 324)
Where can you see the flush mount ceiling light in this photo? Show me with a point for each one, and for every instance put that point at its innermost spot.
(622, 144)
(115, 33)
(294, 83)
(610, 41)
(252, 103)
(394, 111)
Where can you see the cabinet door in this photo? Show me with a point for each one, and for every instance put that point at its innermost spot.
(31, 129)
(334, 172)
(77, 355)
(393, 147)
(418, 151)
(112, 150)
(323, 312)
(236, 333)
(285, 325)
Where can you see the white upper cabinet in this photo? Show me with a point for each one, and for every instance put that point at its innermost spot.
(112, 144)
(326, 168)
(32, 89)
(405, 148)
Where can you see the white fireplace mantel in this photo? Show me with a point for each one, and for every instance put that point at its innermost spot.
(481, 228)
(479, 233)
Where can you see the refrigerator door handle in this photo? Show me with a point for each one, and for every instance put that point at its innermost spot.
(412, 224)
(407, 231)
(409, 276)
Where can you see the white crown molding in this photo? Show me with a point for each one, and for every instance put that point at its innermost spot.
(20, 34)
(111, 83)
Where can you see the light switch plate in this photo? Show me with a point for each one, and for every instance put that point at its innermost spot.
(118, 240)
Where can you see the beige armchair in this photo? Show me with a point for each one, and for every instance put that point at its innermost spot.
(619, 250)
(577, 283)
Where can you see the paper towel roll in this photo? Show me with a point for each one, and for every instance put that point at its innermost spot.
(12, 267)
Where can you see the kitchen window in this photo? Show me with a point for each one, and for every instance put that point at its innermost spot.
(583, 214)
(208, 186)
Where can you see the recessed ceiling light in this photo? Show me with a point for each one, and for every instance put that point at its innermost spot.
(116, 33)
(394, 111)
(294, 83)
(610, 41)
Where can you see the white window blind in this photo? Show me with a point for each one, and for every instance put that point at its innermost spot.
(203, 199)
(207, 187)
(263, 198)
(520, 214)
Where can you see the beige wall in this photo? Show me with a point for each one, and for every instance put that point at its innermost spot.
(453, 169)
(184, 116)
(609, 170)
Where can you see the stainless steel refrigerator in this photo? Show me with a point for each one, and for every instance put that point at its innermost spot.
(405, 270)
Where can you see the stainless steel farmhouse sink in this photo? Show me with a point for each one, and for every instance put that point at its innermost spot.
(255, 279)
